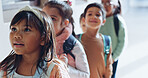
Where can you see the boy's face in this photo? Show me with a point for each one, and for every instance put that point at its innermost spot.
(93, 17)
(25, 39)
(56, 18)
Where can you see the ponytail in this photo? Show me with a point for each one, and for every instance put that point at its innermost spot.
(118, 9)
(72, 22)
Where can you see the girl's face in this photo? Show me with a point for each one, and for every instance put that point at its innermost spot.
(93, 18)
(108, 7)
(25, 39)
(56, 18)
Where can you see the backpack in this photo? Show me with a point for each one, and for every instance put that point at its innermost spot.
(107, 43)
(69, 45)
(116, 24)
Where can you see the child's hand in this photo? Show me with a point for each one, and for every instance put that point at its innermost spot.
(71, 61)
(64, 58)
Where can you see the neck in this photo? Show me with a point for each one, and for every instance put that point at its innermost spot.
(30, 58)
(92, 33)
(108, 15)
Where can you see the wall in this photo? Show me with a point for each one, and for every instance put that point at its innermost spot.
(4, 36)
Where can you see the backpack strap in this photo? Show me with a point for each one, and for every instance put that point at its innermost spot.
(79, 37)
(69, 45)
(107, 42)
(116, 24)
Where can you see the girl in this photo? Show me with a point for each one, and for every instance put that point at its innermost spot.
(114, 27)
(61, 14)
(94, 42)
(31, 38)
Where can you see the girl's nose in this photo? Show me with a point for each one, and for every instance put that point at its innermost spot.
(18, 35)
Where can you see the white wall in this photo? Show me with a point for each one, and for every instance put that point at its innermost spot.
(1, 14)
(4, 36)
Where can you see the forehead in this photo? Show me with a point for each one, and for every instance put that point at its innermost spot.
(94, 9)
(24, 23)
(51, 11)
(106, 0)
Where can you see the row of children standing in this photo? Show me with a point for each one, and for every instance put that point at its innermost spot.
(114, 26)
(43, 60)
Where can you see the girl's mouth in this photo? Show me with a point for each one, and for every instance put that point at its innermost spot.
(18, 45)
(93, 21)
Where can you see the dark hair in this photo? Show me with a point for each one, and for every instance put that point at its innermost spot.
(118, 9)
(45, 28)
(65, 10)
(81, 16)
(100, 6)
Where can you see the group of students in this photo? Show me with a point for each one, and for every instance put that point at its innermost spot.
(39, 37)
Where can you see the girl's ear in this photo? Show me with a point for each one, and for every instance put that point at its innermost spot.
(103, 22)
(66, 22)
(83, 19)
(42, 41)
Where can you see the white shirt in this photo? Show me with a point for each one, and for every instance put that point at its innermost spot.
(82, 67)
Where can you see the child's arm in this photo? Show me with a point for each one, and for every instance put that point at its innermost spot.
(82, 68)
(62, 37)
(65, 34)
(122, 38)
(109, 67)
(63, 57)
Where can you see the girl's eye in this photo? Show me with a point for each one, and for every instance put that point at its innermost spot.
(27, 29)
(13, 29)
(53, 19)
(89, 14)
(97, 14)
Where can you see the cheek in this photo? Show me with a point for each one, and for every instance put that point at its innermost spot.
(109, 10)
(32, 42)
(57, 27)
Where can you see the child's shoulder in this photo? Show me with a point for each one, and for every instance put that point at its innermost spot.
(121, 19)
(59, 69)
(1, 73)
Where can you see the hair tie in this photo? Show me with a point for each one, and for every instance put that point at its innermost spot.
(69, 2)
(35, 11)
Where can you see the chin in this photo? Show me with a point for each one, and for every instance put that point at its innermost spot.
(18, 52)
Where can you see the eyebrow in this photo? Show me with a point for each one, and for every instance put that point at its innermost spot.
(23, 25)
(97, 12)
(90, 11)
(28, 25)
(54, 16)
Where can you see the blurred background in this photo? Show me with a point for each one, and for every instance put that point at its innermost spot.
(133, 62)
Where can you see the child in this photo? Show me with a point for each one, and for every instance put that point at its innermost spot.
(31, 38)
(61, 14)
(114, 27)
(94, 42)
(82, 24)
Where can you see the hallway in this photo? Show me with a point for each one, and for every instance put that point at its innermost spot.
(133, 62)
